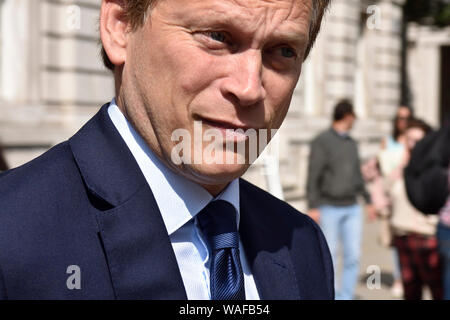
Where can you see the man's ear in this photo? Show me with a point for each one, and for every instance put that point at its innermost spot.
(114, 30)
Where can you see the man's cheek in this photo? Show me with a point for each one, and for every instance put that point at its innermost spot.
(280, 115)
(276, 109)
(199, 72)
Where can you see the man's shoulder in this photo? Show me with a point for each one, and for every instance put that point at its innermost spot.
(275, 210)
(323, 136)
(329, 138)
(37, 179)
(280, 225)
(254, 193)
(57, 154)
(54, 170)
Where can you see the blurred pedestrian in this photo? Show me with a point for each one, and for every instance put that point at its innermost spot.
(390, 157)
(426, 175)
(414, 232)
(397, 140)
(427, 181)
(443, 235)
(334, 182)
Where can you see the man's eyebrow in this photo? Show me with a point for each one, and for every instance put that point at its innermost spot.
(290, 37)
(218, 20)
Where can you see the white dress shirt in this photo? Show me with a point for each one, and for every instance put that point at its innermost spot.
(179, 201)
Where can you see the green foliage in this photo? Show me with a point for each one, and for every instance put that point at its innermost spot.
(443, 17)
(428, 12)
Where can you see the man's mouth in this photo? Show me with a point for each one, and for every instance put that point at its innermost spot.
(230, 131)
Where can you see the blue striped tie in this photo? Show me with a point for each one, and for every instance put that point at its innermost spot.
(218, 223)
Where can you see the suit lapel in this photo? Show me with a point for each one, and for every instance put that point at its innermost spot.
(138, 251)
(140, 257)
(268, 256)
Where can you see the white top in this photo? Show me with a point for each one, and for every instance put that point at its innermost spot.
(179, 201)
(405, 218)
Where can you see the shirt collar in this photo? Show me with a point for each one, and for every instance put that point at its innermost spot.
(179, 199)
(342, 134)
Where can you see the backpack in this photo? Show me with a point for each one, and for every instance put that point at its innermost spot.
(426, 176)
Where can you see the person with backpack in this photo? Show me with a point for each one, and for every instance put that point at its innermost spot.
(414, 232)
(427, 184)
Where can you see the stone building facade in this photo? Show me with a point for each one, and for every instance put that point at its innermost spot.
(429, 72)
(52, 80)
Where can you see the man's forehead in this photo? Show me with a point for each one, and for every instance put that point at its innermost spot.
(267, 15)
(291, 9)
(255, 4)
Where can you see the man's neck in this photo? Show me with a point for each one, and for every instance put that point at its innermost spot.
(340, 127)
(214, 190)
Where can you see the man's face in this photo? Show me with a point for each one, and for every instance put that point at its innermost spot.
(350, 121)
(228, 63)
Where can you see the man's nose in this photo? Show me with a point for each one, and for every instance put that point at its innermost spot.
(244, 82)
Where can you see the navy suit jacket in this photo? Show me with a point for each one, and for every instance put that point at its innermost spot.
(86, 203)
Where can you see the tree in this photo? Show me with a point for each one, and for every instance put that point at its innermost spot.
(427, 12)
(424, 12)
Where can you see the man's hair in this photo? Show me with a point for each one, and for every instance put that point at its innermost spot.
(419, 124)
(136, 12)
(342, 109)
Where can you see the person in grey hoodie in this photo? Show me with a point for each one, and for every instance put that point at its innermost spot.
(334, 183)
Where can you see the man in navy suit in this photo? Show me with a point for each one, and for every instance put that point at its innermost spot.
(119, 211)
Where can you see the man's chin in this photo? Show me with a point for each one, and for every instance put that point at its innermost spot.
(214, 174)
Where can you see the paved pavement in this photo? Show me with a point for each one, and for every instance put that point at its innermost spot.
(376, 260)
(375, 257)
(375, 278)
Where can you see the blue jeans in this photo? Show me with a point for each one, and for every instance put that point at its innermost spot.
(443, 235)
(344, 224)
(396, 272)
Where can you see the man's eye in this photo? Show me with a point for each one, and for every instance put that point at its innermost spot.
(218, 41)
(288, 52)
(217, 36)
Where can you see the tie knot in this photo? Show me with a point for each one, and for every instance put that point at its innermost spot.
(218, 222)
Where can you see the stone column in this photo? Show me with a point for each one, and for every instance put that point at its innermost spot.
(424, 70)
(341, 35)
(15, 53)
(384, 52)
